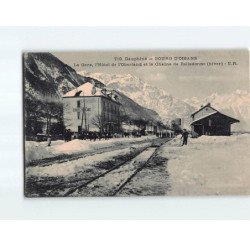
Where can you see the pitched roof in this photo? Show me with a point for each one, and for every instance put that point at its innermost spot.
(233, 120)
(207, 105)
(86, 89)
(89, 89)
(204, 116)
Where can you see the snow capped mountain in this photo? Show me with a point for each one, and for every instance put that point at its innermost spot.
(167, 106)
(47, 79)
(45, 74)
(236, 104)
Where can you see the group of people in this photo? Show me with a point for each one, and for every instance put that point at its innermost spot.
(93, 136)
(67, 135)
(133, 134)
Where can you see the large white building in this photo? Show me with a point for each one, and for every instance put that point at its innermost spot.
(91, 108)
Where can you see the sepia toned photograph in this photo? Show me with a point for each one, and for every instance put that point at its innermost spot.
(136, 123)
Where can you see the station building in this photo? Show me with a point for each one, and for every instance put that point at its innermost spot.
(209, 121)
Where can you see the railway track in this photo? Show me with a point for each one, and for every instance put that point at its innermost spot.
(112, 181)
(54, 186)
(65, 157)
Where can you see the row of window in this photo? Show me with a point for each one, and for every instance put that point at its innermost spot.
(110, 111)
(110, 117)
(110, 107)
(106, 107)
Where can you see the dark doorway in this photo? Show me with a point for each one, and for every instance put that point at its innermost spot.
(198, 129)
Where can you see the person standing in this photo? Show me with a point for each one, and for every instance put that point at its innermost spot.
(184, 137)
(49, 140)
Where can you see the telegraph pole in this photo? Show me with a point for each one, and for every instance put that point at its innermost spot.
(84, 111)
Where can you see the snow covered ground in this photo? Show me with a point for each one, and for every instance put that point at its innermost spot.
(110, 183)
(70, 168)
(57, 179)
(213, 165)
(40, 150)
(208, 165)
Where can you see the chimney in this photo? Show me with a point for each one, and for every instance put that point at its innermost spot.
(104, 91)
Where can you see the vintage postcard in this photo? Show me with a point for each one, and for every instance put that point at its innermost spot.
(136, 123)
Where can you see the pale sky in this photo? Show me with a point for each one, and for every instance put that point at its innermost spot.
(180, 81)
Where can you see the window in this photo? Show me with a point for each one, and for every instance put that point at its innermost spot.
(78, 104)
(78, 115)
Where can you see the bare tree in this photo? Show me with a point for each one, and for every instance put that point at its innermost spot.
(66, 110)
(99, 122)
(52, 110)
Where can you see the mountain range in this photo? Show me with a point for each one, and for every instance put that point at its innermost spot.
(47, 79)
(44, 75)
(236, 104)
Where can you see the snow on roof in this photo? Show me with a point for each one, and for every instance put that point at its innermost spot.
(89, 89)
(215, 112)
(130, 128)
(207, 105)
(86, 89)
(204, 116)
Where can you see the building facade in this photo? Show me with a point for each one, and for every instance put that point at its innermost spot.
(209, 121)
(90, 108)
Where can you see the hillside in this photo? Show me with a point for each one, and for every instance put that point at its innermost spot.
(166, 105)
(236, 104)
(45, 75)
(46, 79)
(135, 111)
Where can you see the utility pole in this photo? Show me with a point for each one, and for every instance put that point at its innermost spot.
(84, 116)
